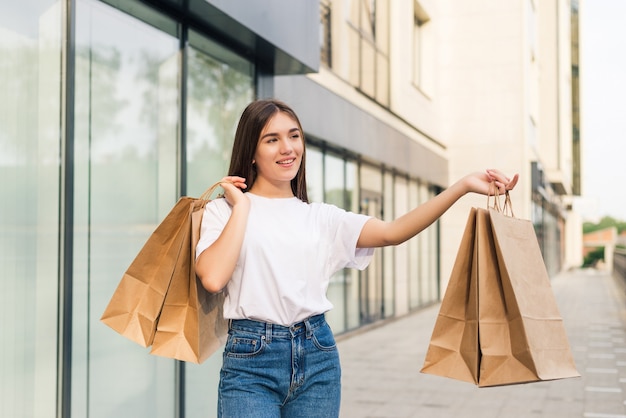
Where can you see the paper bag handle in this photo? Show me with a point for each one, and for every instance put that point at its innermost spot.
(508, 205)
(208, 192)
(507, 208)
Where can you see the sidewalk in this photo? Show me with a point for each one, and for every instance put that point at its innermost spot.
(382, 379)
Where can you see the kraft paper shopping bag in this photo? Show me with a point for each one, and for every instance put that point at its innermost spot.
(453, 350)
(538, 337)
(192, 325)
(520, 334)
(502, 341)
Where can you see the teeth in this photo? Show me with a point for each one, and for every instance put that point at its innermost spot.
(287, 161)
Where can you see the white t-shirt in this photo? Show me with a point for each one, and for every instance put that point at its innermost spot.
(290, 251)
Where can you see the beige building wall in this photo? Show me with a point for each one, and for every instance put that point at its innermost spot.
(487, 88)
(413, 94)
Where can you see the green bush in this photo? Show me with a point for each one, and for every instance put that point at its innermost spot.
(593, 257)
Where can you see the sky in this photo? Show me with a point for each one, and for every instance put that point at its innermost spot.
(603, 109)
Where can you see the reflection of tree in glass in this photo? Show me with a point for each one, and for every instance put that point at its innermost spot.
(100, 67)
(29, 100)
(18, 101)
(150, 78)
(217, 95)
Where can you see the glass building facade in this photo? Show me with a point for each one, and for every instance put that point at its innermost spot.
(109, 111)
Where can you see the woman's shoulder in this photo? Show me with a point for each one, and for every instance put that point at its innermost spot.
(218, 206)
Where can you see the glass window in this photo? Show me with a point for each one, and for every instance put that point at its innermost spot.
(427, 255)
(368, 43)
(315, 174)
(126, 165)
(388, 252)
(401, 206)
(415, 245)
(431, 291)
(219, 86)
(423, 50)
(367, 66)
(325, 32)
(30, 114)
(334, 181)
(371, 291)
(335, 194)
(352, 275)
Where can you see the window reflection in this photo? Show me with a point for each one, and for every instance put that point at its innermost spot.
(334, 181)
(371, 279)
(415, 246)
(315, 174)
(431, 281)
(351, 275)
(388, 252)
(335, 194)
(126, 124)
(30, 113)
(219, 86)
(368, 43)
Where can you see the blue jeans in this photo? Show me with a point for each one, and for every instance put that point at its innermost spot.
(273, 371)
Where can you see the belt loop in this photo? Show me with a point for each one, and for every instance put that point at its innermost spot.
(268, 332)
(230, 324)
(307, 326)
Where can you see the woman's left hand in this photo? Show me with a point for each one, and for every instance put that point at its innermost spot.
(486, 183)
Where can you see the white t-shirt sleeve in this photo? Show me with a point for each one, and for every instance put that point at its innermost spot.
(216, 214)
(346, 228)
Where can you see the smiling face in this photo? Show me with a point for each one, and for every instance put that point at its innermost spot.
(278, 154)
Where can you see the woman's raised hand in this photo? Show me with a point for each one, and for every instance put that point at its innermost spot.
(233, 189)
(484, 183)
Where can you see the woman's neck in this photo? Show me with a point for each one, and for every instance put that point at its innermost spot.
(270, 190)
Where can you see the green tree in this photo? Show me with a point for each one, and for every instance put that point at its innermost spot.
(605, 222)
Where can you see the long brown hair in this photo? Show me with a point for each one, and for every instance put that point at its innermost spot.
(253, 119)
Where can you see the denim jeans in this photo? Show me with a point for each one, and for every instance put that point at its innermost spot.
(273, 371)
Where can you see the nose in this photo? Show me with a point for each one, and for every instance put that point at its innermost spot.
(286, 146)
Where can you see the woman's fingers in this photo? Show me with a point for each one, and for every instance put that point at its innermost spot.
(502, 181)
(511, 184)
(236, 181)
(233, 179)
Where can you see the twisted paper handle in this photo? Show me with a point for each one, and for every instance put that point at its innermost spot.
(507, 207)
(208, 192)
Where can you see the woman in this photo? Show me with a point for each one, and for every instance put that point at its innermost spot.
(274, 253)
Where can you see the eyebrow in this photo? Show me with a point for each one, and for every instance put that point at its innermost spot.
(275, 134)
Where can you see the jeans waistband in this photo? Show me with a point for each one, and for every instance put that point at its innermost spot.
(277, 331)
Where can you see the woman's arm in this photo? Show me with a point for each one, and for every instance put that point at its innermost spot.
(377, 233)
(216, 264)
